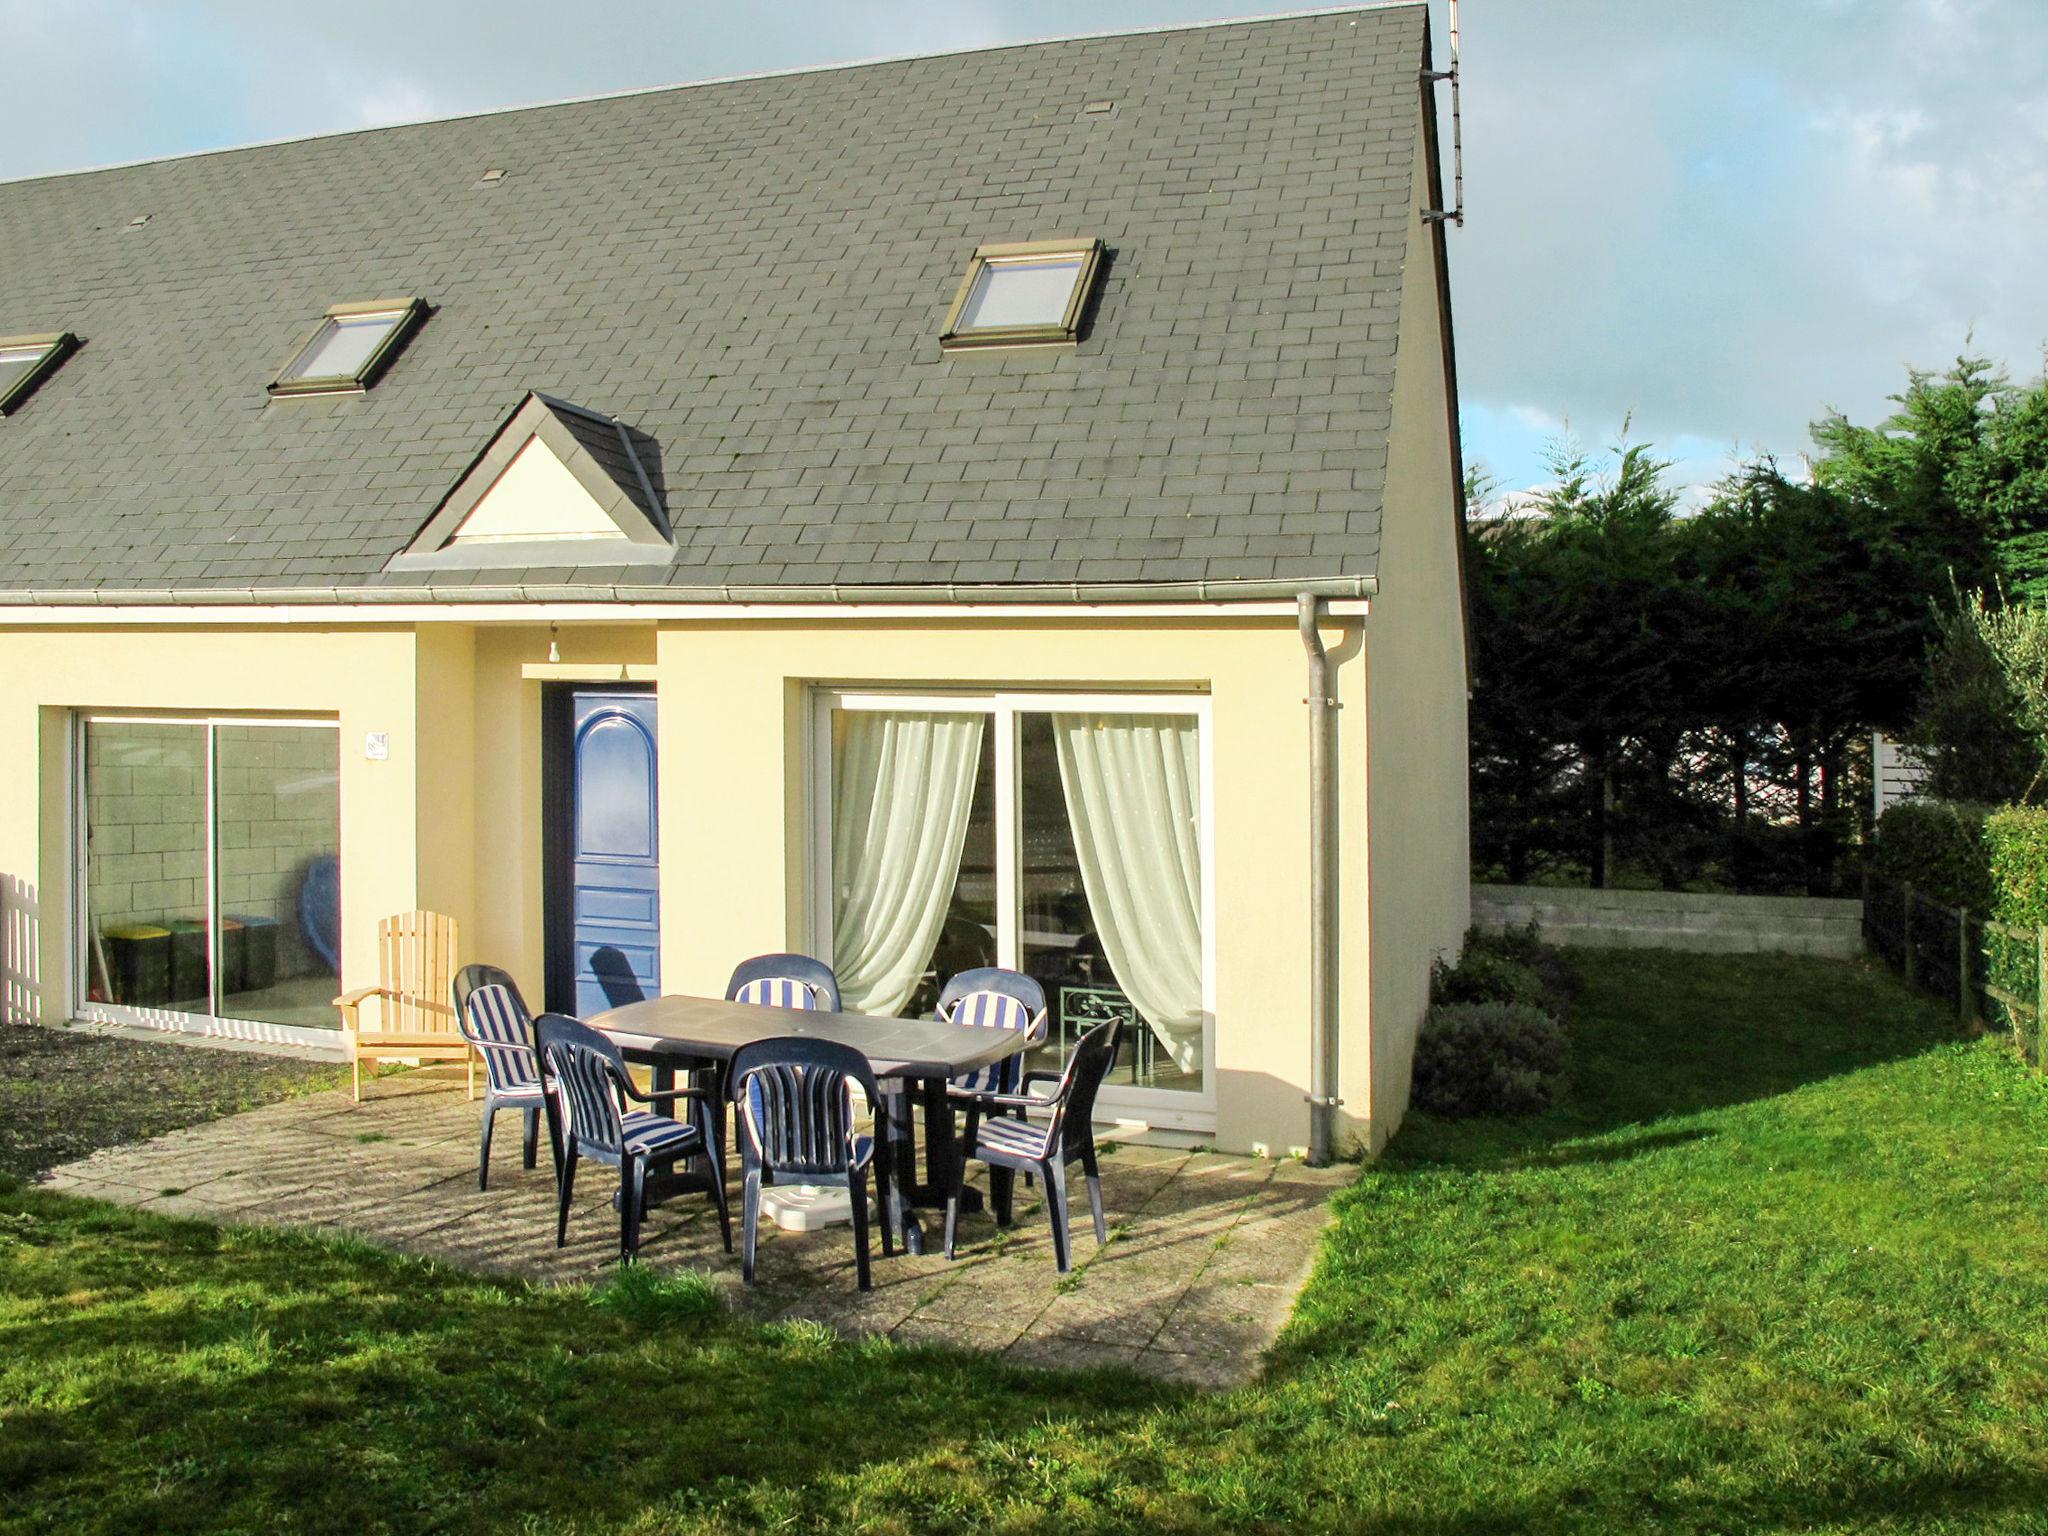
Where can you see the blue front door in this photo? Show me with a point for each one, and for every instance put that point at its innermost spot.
(614, 871)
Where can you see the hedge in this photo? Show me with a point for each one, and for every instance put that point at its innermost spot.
(1937, 847)
(2016, 859)
(1995, 862)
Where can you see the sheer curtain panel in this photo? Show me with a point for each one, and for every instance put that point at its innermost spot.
(902, 788)
(1133, 789)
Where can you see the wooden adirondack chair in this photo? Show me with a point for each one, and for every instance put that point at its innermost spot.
(414, 1016)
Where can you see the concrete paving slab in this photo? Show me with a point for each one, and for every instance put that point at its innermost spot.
(1207, 1252)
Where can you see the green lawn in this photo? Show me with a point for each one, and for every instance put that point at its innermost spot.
(1781, 1263)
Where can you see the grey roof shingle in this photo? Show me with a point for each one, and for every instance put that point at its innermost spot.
(753, 275)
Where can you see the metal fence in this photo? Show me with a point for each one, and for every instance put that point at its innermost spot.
(1994, 972)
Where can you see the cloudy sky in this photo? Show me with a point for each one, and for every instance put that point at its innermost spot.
(1711, 220)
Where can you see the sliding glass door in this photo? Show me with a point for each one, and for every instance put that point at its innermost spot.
(1063, 836)
(209, 873)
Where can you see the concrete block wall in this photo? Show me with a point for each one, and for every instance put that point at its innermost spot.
(145, 805)
(278, 807)
(1790, 925)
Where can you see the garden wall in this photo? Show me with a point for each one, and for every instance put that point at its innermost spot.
(1791, 925)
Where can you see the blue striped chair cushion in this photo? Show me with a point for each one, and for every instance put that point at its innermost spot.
(994, 1010)
(503, 1035)
(652, 1135)
(778, 992)
(1018, 1138)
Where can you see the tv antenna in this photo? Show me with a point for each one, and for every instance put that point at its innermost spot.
(1455, 213)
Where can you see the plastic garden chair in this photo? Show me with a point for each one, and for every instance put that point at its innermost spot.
(1067, 1135)
(797, 1121)
(993, 998)
(778, 980)
(493, 1018)
(589, 1075)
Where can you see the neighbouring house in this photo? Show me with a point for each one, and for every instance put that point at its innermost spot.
(893, 511)
(1897, 772)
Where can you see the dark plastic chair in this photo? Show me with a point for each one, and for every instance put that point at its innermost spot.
(588, 1073)
(993, 998)
(796, 1120)
(1067, 1135)
(470, 977)
(802, 969)
(493, 1018)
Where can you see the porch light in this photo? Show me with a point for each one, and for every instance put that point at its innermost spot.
(349, 347)
(1015, 295)
(25, 361)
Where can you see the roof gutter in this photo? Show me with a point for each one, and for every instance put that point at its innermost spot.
(1078, 592)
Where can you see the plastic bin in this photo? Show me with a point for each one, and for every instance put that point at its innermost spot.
(188, 961)
(234, 956)
(139, 963)
(259, 951)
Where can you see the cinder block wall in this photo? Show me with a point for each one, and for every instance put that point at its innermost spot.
(1789, 925)
(145, 804)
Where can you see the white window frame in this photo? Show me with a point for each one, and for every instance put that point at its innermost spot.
(216, 1025)
(1165, 1109)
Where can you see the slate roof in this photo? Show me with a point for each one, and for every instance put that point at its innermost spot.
(753, 274)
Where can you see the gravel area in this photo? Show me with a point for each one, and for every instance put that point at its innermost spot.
(67, 1093)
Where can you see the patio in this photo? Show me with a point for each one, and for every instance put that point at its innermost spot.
(1206, 1252)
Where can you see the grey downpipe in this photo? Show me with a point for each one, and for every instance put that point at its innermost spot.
(1322, 1012)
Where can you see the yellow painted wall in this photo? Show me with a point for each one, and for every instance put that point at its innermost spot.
(452, 819)
(504, 813)
(365, 678)
(735, 818)
(445, 727)
(1419, 827)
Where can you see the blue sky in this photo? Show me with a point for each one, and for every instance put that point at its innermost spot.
(1710, 222)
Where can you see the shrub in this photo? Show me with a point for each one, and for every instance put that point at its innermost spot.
(1525, 946)
(2016, 853)
(1488, 1059)
(1481, 976)
(1514, 966)
(1937, 847)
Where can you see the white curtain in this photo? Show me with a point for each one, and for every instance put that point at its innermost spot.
(902, 787)
(1133, 787)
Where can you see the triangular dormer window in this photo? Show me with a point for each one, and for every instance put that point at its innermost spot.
(558, 485)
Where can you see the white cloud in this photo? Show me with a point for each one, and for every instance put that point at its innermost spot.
(395, 101)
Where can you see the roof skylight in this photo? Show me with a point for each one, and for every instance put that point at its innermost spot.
(1014, 295)
(349, 347)
(25, 361)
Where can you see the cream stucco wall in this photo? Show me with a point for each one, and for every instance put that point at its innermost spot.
(504, 813)
(736, 821)
(453, 818)
(1418, 822)
(364, 678)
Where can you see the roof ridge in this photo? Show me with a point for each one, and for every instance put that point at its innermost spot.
(1357, 7)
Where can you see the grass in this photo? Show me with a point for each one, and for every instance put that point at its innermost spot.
(66, 1093)
(1779, 1263)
